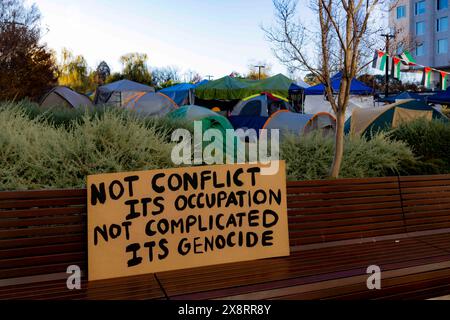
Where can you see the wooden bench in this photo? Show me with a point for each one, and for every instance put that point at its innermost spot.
(336, 228)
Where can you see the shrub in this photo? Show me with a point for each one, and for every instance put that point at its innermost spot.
(35, 154)
(62, 116)
(310, 157)
(430, 143)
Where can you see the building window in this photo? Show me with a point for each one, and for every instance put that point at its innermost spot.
(442, 24)
(420, 50)
(442, 4)
(419, 8)
(401, 12)
(420, 28)
(442, 46)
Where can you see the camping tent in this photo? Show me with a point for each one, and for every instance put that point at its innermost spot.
(300, 124)
(371, 120)
(182, 93)
(229, 88)
(440, 98)
(263, 104)
(120, 92)
(316, 100)
(405, 95)
(209, 120)
(253, 111)
(63, 96)
(151, 104)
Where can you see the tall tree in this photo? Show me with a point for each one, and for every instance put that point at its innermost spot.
(135, 67)
(102, 72)
(165, 76)
(337, 41)
(74, 72)
(27, 68)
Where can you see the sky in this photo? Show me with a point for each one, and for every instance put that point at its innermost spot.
(212, 37)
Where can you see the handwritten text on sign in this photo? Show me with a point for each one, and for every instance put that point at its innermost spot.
(151, 221)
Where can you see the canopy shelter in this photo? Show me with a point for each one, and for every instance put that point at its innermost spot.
(119, 93)
(298, 85)
(440, 98)
(65, 97)
(182, 93)
(317, 101)
(371, 120)
(356, 87)
(151, 104)
(229, 88)
(405, 95)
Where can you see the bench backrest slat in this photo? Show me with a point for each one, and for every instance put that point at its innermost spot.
(426, 202)
(323, 211)
(41, 232)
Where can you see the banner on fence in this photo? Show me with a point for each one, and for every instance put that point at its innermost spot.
(159, 220)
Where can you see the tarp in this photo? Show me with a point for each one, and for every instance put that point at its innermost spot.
(440, 98)
(120, 92)
(405, 95)
(180, 92)
(371, 120)
(65, 97)
(127, 85)
(229, 88)
(356, 87)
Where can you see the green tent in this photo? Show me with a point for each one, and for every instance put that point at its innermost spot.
(228, 88)
(210, 120)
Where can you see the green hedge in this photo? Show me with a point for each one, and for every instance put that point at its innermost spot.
(37, 154)
(311, 157)
(430, 143)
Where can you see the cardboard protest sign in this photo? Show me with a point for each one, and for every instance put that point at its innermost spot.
(152, 221)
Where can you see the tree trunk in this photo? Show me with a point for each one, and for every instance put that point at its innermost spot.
(339, 145)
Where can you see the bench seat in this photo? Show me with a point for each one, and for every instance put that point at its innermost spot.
(412, 267)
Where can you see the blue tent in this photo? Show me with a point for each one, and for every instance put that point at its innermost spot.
(403, 96)
(298, 86)
(356, 88)
(180, 92)
(442, 97)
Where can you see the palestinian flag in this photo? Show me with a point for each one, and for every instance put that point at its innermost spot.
(396, 63)
(379, 60)
(426, 79)
(408, 59)
(443, 80)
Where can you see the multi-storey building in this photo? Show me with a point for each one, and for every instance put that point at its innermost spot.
(422, 27)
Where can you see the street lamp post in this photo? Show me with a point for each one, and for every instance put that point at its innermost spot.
(386, 88)
(259, 71)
